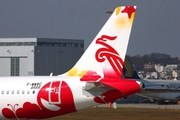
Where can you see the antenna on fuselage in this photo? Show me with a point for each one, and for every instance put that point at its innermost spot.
(51, 74)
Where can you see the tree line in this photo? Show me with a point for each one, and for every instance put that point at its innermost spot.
(155, 58)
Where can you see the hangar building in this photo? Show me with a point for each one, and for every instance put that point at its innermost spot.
(38, 56)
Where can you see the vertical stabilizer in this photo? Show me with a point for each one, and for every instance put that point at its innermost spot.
(129, 71)
(105, 55)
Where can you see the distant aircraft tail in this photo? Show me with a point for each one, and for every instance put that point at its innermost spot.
(129, 71)
(104, 58)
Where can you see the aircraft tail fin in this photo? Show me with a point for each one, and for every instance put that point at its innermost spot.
(129, 71)
(104, 58)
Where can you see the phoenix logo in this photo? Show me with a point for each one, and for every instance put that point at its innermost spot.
(109, 53)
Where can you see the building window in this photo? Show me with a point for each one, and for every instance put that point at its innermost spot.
(15, 66)
(48, 44)
(18, 43)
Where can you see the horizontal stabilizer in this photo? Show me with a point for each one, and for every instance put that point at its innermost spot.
(123, 86)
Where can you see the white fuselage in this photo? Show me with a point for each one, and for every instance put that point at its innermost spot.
(44, 97)
(161, 89)
(46, 93)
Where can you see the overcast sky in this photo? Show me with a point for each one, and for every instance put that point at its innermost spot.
(156, 27)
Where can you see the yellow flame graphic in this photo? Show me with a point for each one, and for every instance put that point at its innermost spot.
(118, 9)
(73, 72)
(132, 17)
(122, 22)
(82, 73)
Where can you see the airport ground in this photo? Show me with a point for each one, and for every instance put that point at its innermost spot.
(126, 112)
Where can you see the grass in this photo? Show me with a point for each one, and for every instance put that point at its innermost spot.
(104, 113)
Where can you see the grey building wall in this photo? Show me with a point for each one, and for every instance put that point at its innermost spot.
(9, 49)
(39, 56)
(5, 67)
(56, 57)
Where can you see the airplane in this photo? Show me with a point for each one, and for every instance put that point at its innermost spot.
(94, 79)
(162, 91)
